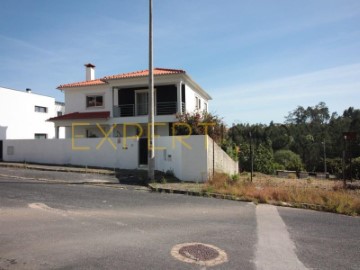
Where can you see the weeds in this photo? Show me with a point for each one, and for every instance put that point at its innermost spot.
(329, 195)
(163, 180)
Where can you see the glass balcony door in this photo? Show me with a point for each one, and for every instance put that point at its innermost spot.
(142, 101)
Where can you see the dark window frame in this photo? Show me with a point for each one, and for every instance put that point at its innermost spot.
(40, 136)
(96, 103)
(41, 109)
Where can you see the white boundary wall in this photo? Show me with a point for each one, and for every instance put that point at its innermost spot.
(192, 162)
(219, 159)
(61, 152)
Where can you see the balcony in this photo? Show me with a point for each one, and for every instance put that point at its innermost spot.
(161, 108)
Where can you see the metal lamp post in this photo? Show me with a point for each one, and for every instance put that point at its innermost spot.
(325, 168)
(151, 129)
(251, 158)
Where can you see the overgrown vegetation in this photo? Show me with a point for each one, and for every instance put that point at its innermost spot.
(317, 194)
(328, 195)
(300, 143)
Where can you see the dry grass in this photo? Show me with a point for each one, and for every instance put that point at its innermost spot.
(330, 195)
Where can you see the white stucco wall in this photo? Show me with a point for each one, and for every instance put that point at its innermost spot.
(190, 100)
(78, 152)
(188, 163)
(75, 99)
(18, 119)
(219, 160)
(194, 161)
(185, 157)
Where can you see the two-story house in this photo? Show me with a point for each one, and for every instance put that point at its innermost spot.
(118, 104)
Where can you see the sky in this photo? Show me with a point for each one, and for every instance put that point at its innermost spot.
(258, 59)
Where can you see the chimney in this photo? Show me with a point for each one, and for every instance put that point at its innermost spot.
(90, 72)
(28, 90)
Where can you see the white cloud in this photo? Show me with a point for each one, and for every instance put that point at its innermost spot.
(21, 44)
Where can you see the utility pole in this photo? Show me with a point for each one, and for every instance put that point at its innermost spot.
(343, 160)
(151, 129)
(251, 158)
(325, 168)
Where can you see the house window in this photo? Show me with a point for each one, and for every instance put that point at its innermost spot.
(41, 109)
(94, 101)
(197, 103)
(205, 107)
(40, 136)
(59, 113)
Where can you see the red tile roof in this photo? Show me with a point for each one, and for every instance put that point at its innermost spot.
(77, 115)
(136, 74)
(85, 83)
(143, 73)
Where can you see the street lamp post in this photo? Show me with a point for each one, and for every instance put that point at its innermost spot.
(251, 158)
(151, 129)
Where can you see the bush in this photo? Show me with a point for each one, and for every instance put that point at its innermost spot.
(278, 167)
(334, 166)
(235, 177)
(289, 160)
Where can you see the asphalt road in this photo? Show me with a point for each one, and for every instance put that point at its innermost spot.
(60, 226)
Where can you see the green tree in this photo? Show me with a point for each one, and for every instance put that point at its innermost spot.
(309, 128)
(264, 160)
(279, 136)
(245, 157)
(304, 132)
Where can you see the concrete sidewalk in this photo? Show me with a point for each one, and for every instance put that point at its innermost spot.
(129, 179)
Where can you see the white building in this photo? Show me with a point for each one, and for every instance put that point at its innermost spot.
(23, 115)
(122, 99)
(106, 126)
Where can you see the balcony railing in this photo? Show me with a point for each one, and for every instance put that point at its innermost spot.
(161, 108)
(124, 110)
(164, 108)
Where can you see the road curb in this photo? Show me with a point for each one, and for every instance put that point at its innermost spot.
(199, 194)
(54, 180)
(90, 183)
(57, 169)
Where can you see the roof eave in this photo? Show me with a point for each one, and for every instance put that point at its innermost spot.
(197, 87)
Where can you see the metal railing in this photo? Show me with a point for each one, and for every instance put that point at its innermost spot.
(164, 108)
(161, 108)
(124, 110)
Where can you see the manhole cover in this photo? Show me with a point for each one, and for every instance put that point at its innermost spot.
(199, 253)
